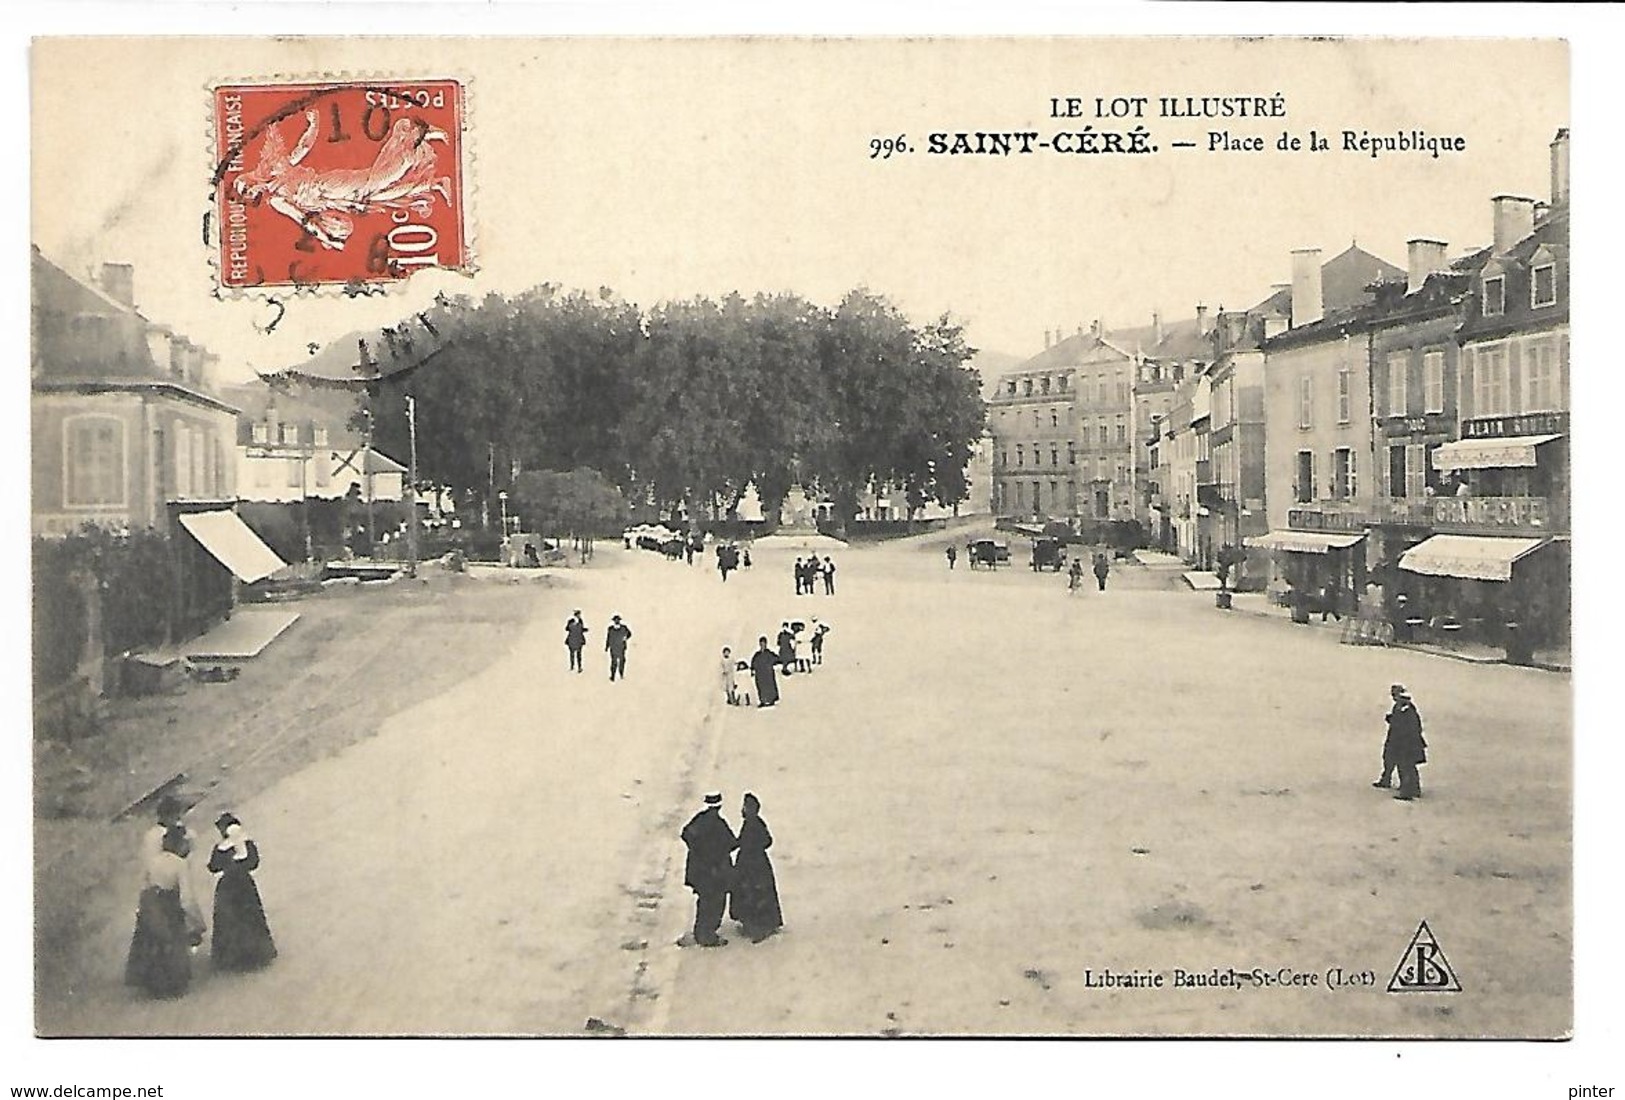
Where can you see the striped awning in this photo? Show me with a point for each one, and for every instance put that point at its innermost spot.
(1306, 542)
(1488, 454)
(1472, 557)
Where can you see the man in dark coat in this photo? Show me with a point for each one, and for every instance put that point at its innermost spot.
(763, 669)
(575, 639)
(709, 869)
(1404, 747)
(787, 647)
(1103, 569)
(615, 639)
(829, 576)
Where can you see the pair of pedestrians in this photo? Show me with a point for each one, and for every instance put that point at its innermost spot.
(742, 886)
(615, 639)
(169, 921)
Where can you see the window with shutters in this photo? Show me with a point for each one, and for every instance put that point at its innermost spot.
(1540, 376)
(1054, 418)
(182, 447)
(1054, 455)
(1433, 382)
(1398, 482)
(1398, 395)
(1345, 395)
(1021, 455)
(1416, 470)
(1490, 383)
(1071, 454)
(296, 472)
(1304, 486)
(1342, 473)
(95, 462)
(1306, 402)
(1122, 431)
(1105, 437)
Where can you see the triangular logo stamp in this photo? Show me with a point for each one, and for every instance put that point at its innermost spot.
(1423, 967)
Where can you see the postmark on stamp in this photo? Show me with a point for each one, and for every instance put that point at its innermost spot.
(342, 183)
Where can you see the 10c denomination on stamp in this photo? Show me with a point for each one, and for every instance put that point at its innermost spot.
(342, 183)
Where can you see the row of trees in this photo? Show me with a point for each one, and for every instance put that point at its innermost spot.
(691, 401)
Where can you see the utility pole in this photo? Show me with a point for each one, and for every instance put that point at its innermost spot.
(412, 487)
(366, 475)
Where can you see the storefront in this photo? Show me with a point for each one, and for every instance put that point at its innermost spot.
(1316, 570)
(1499, 551)
(1470, 587)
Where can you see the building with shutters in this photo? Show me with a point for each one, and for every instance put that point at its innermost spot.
(127, 427)
(1487, 541)
(1319, 496)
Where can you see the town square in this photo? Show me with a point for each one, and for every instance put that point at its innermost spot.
(579, 538)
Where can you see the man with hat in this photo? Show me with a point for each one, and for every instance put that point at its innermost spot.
(709, 870)
(1403, 748)
(615, 639)
(575, 639)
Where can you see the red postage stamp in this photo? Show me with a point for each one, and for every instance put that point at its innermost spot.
(321, 184)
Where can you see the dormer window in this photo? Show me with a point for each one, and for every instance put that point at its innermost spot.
(1061, 383)
(1027, 387)
(290, 434)
(1010, 387)
(1495, 295)
(262, 433)
(1046, 384)
(1542, 278)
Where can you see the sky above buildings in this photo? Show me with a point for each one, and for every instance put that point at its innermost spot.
(666, 169)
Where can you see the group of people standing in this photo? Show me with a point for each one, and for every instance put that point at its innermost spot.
(742, 886)
(808, 572)
(800, 648)
(615, 639)
(169, 923)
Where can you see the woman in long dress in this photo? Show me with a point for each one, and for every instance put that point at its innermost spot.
(242, 939)
(763, 670)
(754, 898)
(167, 922)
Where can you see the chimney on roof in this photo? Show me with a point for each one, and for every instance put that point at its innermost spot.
(1156, 327)
(118, 283)
(1560, 167)
(1307, 306)
(1046, 339)
(1423, 258)
(1095, 329)
(1203, 325)
(1514, 220)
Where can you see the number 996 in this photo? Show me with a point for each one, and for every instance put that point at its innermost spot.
(882, 148)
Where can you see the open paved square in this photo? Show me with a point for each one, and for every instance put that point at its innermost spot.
(998, 809)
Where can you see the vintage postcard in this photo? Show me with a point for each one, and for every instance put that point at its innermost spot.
(737, 537)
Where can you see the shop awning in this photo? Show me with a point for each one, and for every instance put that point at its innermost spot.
(1472, 557)
(1483, 454)
(234, 544)
(1305, 542)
